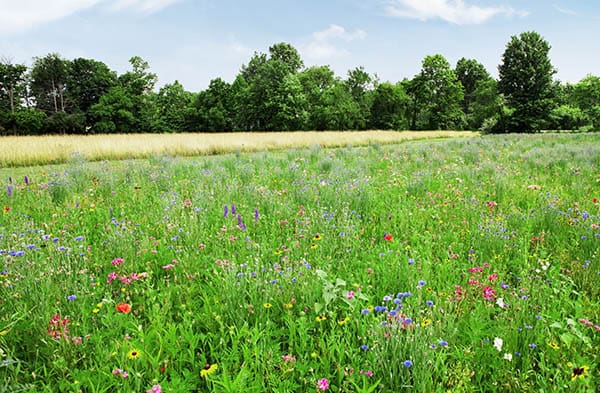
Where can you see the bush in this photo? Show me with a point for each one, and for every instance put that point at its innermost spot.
(567, 117)
(29, 121)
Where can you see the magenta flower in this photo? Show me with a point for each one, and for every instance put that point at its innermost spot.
(322, 384)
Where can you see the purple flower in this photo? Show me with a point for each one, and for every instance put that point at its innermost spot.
(256, 215)
(26, 181)
(429, 303)
(443, 343)
(79, 238)
(233, 210)
(9, 190)
(407, 363)
(226, 211)
(71, 297)
(364, 347)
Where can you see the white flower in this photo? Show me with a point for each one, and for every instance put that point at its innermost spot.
(508, 356)
(500, 302)
(498, 343)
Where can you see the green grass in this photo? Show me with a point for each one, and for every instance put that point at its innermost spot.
(387, 268)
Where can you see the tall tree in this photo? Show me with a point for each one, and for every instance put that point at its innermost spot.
(361, 85)
(316, 81)
(526, 81)
(12, 84)
(390, 107)
(48, 82)
(471, 74)
(436, 96)
(87, 80)
(586, 94)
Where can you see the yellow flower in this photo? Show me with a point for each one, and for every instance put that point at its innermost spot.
(553, 345)
(344, 321)
(287, 306)
(425, 322)
(314, 246)
(208, 369)
(317, 237)
(321, 318)
(134, 354)
(96, 310)
(579, 372)
(267, 305)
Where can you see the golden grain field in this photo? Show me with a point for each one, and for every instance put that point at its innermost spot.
(40, 150)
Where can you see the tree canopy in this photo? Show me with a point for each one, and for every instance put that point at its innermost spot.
(276, 91)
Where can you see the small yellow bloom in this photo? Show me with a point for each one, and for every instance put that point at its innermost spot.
(134, 354)
(425, 322)
(209, 369)
(287, 306)
(96, 310)
(553, 345)
(267, 305)
(321, 318)
(314, 246)
(344, 321)
(317, 237)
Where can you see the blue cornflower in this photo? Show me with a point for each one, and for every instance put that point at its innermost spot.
(429, 303)
(443, 343)
(407, 363)
(364, 347)
(71, 297)
(79, 238)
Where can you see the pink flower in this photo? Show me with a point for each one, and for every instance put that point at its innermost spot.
(322, 384)
(155, 389)
(350, 295)
(117, 261)
(489, 293)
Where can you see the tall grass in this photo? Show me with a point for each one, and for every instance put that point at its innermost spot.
(40, 150)
(461, 265)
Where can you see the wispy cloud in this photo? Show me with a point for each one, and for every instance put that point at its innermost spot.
(19, 16)
(144, 6)
(453, 11)
(23, 15)
(565, 11)
(327, 43)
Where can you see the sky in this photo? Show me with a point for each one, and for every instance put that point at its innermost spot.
(195, 41)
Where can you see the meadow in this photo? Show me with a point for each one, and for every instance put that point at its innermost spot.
(447, 265)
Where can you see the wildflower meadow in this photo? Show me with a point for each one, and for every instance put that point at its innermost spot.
(455, 265)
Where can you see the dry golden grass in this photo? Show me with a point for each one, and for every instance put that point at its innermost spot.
(40, 150)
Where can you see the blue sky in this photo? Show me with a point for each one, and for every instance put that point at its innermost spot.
(195, 41)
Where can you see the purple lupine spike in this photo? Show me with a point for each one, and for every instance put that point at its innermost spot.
(9, 190)
(26, 181)
(226, 212)
(240, 223)
(256, 215)
(233, 210)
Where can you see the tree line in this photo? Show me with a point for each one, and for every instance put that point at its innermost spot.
(275, 91)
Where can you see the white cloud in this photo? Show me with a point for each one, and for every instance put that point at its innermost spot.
(325, 44)
(453, 11)
(18, 16)
(145, 6)
(565, 11)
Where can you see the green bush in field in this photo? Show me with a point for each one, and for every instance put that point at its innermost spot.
(433, 266)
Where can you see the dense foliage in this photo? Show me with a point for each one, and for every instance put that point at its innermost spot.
(462, 265)
(275, 91)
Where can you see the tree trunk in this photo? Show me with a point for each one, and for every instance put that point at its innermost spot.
(54, 96)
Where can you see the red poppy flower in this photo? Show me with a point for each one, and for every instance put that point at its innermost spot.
(124, 308)
(388, 237)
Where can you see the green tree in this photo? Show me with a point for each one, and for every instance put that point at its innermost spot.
(316, 81)
(171, 105)
(526, 81)
(48, 82)
(586, 96)
(361, 85)
(436, 96)
(390, 107)
(86, 81)
(268, 95)
(12, 84)
(472, 74)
